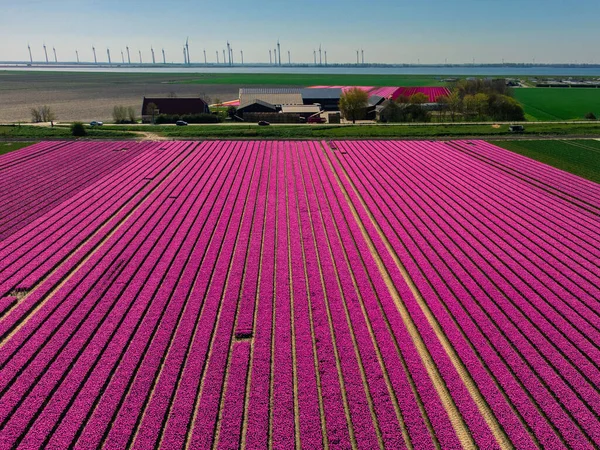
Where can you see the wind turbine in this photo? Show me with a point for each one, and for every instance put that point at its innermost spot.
(275, 56)
(77, 54)
(30, 57)
(357, 58)
(242, 56)
(184, 56)
(108, 53)
(229, 52)
(187, 49)
(289, 58)
(320, 56)
(204, 56)
(164, 57)
(55, 58)
(224, 58)
(279, 51)
(122, 57)
(315, 56)
(153, 58)
(270, 58)
(217, 52)
(128, 55)
(325, 57)
(140, 52)
(363, 56)
(46, 53)
(95, 59)
(231, 56)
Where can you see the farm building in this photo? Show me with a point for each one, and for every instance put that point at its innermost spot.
(371, 110)
(302, 110)
(276, 97)
(175, 105)
(328, 98)
(256, 106)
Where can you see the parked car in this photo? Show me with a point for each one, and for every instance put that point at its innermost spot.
(516, 128)
(316, 119)
(263, 123)
(95, 123)
(181, 123)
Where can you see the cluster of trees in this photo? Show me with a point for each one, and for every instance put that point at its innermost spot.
(470, 100)
(407, 109)
(479, 107)
(43, 114)
(124, 114)
(479, 99)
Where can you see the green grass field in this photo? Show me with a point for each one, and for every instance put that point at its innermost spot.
(57, 132)
(558, 104)
(6, 147)
(581, 157)
(315, 79)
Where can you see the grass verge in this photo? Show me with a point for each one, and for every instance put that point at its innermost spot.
(7, 147)
(58, 132)
(358, 131)
(304, 131)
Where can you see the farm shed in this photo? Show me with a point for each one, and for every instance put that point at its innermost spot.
(175, 105)
(303, 110)
(328, 98)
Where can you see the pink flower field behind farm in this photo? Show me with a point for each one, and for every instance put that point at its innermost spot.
(433, 93)
(343, 294)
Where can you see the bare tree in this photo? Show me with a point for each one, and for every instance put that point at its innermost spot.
(48, 114)
(131, 114)
(151, 110)
(36, 115)
(43, 114)
(119, 114)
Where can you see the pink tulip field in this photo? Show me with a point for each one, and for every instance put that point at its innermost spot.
(296, 294)
(433, 93)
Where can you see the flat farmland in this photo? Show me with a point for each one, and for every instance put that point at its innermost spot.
(546, 104)
(323, 294)
(92, 96)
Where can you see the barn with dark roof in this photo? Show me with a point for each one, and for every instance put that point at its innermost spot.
(175, 105)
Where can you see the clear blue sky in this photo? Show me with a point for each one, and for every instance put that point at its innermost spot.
(391, 31)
